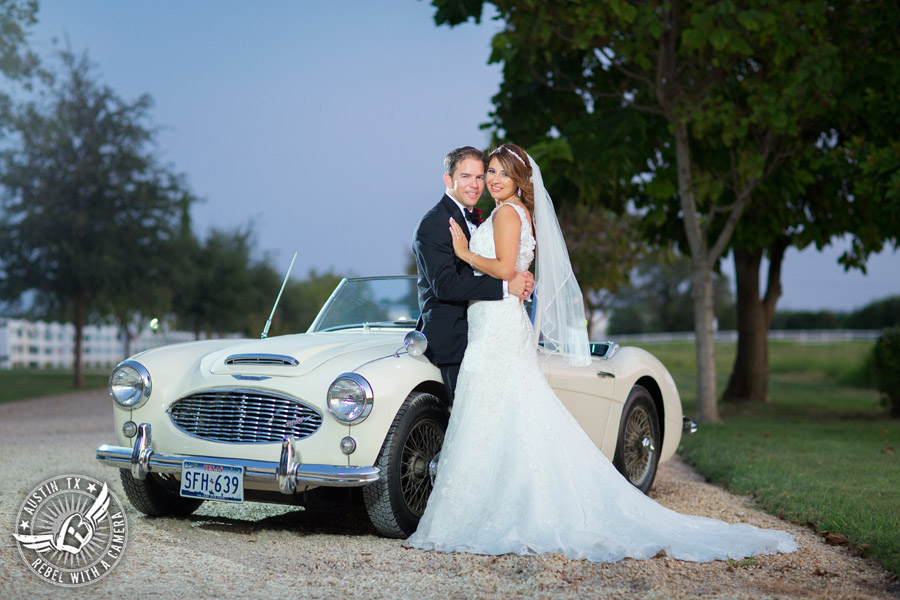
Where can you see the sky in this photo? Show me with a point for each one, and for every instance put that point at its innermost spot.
(324, 124)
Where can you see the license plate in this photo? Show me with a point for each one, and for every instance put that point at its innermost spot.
(210, 481)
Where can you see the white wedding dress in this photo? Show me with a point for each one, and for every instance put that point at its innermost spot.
(517, 474)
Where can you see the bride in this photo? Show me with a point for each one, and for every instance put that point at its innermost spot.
(517, 474)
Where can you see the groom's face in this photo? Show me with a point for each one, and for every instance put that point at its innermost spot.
(467, 182)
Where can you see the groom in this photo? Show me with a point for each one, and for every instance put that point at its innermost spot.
(446, 283)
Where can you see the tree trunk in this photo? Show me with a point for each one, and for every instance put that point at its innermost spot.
(127, 334)
(749, 380)
(707, 410)
(79, 331)
(589, 307)
(702, 260)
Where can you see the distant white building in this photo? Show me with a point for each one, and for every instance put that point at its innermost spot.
(37, 344)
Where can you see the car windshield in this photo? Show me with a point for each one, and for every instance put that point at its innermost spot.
(370, 302)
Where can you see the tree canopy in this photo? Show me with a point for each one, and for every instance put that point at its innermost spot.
(686, 109)
(17, 60)
(89, 212)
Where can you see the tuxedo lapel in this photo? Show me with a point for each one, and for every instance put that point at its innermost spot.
(457, 215)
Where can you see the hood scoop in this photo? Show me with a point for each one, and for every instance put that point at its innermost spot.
(268, 360)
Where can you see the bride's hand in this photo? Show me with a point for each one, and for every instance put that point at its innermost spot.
(460, 243)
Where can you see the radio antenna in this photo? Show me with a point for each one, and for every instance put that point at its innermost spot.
(283, 283)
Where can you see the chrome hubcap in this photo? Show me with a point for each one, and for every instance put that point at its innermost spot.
(422, 444)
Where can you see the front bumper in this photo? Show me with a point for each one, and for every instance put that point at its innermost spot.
(287, 473)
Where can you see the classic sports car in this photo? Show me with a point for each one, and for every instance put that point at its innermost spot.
(352, 402)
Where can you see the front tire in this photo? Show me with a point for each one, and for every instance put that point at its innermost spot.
(157, 495)
(639, 443)
(396, 502)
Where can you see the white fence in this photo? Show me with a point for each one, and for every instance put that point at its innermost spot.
(808, 336)
(52, 345)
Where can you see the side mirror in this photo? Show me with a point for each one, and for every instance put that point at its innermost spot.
(415, 343)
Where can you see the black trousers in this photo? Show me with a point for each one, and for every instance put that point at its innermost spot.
(450, 373)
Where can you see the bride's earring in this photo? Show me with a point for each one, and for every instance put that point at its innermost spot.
(519, 192)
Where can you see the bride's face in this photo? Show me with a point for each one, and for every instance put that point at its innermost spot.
(500, 186)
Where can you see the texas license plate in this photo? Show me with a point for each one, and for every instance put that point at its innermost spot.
(209, 481)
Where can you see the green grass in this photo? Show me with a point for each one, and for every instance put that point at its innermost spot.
(821, 452)
(19, 384)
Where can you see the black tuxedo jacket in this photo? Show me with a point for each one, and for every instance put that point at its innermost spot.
(446, 284)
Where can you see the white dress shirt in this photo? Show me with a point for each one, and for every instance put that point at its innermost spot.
(464, 211)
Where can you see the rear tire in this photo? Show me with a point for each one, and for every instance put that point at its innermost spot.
(396, 501)
(639, 443)
(157, 495)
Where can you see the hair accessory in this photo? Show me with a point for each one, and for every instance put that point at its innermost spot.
(521, 160)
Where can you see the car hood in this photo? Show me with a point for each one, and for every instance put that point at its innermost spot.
(297, 355)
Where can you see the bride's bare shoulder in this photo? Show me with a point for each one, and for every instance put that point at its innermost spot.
(507, 212)
(512, 216)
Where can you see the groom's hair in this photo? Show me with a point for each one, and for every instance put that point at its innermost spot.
(457, 155)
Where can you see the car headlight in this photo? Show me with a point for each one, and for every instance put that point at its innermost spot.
(350, 398)
(129, 384)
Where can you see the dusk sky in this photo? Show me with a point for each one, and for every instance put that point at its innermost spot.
(325, 123)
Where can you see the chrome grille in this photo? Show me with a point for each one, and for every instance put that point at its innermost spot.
(244, 416)
(278, 360)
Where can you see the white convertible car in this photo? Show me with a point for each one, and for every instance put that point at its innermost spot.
(351, 402)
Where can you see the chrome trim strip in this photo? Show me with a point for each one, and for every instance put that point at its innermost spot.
(277, 360)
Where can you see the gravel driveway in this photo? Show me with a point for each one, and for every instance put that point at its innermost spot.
(247, 551)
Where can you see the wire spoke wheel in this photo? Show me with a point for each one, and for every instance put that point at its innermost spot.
(640, 439)
(639, 447)
(396, 502)
(424, 441)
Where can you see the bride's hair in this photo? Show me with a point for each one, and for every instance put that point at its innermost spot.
(515, 162)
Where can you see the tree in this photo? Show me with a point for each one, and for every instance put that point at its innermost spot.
(160, 255)
(603, 248)
(223, 289)
(659, 297)
(86, 204)
(725, 90)
(844, 182)
(302, 301)
(17, 61)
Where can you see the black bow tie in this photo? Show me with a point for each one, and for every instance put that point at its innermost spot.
(471, 217)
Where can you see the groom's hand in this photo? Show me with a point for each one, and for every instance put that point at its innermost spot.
(521, 285)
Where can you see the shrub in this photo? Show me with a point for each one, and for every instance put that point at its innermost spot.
(886, 359)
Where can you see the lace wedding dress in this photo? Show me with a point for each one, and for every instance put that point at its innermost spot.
(517, 474)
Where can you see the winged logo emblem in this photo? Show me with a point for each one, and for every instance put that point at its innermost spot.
(74, 533)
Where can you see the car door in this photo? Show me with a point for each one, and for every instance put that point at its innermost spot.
(587, 393)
